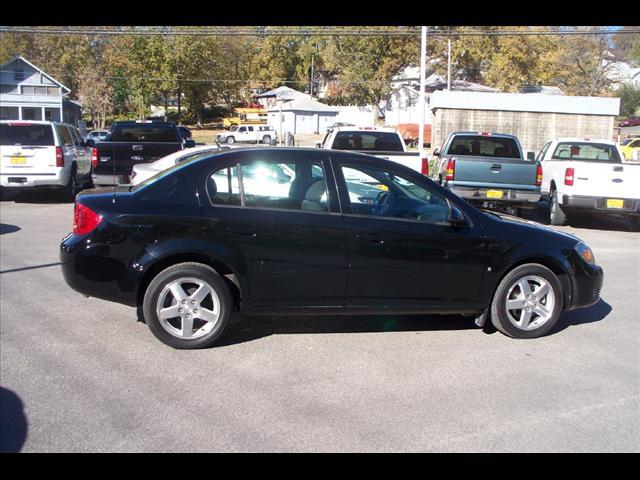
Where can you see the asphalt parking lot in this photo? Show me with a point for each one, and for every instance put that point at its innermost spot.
(81, 375)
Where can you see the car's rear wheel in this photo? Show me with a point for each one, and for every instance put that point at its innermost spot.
(556, 214)
(187, 306)
(527, 302)
(70, 190)
(266, 139)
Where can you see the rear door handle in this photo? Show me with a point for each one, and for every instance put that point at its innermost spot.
(137, 147)
(372, 237)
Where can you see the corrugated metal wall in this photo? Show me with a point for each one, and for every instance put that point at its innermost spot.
(533, 129)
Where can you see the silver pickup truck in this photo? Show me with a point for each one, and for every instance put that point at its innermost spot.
(488, 168)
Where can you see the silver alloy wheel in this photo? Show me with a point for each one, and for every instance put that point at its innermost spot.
(530, 302)
(188, 308)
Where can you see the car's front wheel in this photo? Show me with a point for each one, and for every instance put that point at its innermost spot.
(231, 140)
(188, 306)
(527, 302)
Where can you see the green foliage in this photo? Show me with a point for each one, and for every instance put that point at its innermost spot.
(629, 100)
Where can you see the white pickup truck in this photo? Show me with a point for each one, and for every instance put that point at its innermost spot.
(248, 133)
(385, 143)
(588, 176)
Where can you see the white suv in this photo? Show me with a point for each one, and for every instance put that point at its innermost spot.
(43, 154)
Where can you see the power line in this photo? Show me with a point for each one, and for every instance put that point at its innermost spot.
(302, 31)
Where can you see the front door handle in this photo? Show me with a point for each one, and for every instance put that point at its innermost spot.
(243, 231)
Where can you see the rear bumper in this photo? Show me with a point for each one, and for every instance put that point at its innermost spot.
(575, 202)
(508, 195)
(108, 180)
(27, 180)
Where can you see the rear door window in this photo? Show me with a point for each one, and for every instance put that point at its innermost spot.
(151, 133)
(368, 141)
(27, 135)
(586, 152)
(484, 146)
(65, 135)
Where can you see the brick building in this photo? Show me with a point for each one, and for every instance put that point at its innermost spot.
(534, 118)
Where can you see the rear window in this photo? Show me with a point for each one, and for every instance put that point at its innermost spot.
(484, 146)
(368, 141)
(145, 133)
(586, 151)
(29, 135)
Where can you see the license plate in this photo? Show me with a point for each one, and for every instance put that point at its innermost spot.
(495, 193)
(615, 203)
(18, 160)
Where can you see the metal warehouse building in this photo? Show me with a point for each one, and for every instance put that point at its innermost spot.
(534, 118)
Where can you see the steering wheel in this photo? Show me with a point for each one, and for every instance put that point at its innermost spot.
(383, 200)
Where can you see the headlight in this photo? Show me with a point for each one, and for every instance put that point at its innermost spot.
(585, 252)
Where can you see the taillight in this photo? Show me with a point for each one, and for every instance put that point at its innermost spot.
(568, 177)
(59, 157)
(84, 219)
(425, 166)
(538, 175)
(94, 156)
(451, 170)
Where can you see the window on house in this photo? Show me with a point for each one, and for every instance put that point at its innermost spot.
(8, 89)
(40, 90)
(18, 74)
(53, 91)
(28, 90)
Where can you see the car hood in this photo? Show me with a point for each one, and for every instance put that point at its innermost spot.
(530, 225)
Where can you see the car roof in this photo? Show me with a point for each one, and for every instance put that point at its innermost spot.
(364, 129)
(585, 140)
(488, 134)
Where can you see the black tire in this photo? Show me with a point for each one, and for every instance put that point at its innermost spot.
(230, 139)
(266, 139)
(556, 215)
(70, 190)
(500, 318)
(182, 271)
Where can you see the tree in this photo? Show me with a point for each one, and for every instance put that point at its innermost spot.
(96, 94)
(629, 100)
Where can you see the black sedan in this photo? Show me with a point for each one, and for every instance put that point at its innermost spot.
(301, 231)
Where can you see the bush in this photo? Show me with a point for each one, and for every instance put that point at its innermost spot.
(629, 100)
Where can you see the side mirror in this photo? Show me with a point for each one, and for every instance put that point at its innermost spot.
(436, 152)
(457, 218)
(189, 143)
(531, 156)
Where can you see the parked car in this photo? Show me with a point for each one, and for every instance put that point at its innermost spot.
(386, 143)
(95, 136)
(131, 143)
(630, 122)
(189, 247)
(630, 150)
(143, 171)
(248, 133)
(488, 169)
(43, 154)
(588, 176)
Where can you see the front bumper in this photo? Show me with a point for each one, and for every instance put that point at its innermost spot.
(575, 202)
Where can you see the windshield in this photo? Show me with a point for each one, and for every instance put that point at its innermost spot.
(586, 151)
(28, 135)
(368, 141)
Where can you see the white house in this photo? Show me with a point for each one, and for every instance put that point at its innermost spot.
(301, 115)
(281, 94)
(28, 93)
(621, 73)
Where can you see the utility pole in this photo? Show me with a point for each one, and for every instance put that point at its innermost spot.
(311, 79)
(423, 54)
(449, 66)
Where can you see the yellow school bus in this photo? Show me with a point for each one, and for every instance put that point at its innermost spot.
(243, 116)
